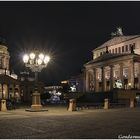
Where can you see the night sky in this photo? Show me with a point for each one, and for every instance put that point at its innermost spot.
(68, 31)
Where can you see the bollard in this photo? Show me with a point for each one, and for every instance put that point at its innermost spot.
(72, 105)
(131, 103)
(106, 104)
(3, 105)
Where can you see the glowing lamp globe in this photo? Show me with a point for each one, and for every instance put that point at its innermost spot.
(46, 59)
(39, 61)
(32, 56)
(41, 56)
(25, 58)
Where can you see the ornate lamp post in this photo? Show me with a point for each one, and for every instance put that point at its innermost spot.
(36, 62)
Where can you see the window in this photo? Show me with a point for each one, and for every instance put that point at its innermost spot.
(125, 72)
(115, 50)
(119, 49)
(122, 48)
(96, 54)
(99, 76)
(112, 50)
(107, 75)
(129, 47)
(134, 46)
(116, 73)
(100, 53)
(126, 48)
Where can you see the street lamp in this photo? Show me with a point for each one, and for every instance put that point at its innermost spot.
(36, 62)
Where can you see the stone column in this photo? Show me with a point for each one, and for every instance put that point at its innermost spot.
(111, 77)
(139, 75)
(121, 74)
(2, 90)
(13, 90)
(94, 71)
(132, 74)
(103, 78)
(8, 91)
(3, 102)
(87, 81)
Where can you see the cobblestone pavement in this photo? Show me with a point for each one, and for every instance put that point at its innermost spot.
(58, 123)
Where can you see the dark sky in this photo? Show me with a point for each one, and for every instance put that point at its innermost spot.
(68, 31)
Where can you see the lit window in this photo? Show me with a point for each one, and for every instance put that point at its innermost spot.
(116, 73)
(107, 75)
(125, 72)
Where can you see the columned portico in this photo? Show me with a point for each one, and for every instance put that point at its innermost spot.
(104, 76)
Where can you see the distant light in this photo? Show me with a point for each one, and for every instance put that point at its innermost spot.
(129, 84)
(58, 93)
(64, 82)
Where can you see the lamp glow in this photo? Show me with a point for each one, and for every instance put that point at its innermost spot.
(39, 61)
(32, 56)
(36, 62)
(25, 58)
(41, 56)
(46, 59)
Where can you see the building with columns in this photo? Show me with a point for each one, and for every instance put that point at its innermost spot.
(115, 64)
(9, 85)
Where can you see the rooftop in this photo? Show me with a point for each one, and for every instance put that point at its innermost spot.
(117, 38)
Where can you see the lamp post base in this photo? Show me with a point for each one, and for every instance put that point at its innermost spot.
(36, 103)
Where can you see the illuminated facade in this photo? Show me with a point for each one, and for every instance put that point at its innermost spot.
(9, 85)
(115, 64)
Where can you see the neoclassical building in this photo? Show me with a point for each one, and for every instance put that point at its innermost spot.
(9, 85)
(115, 64)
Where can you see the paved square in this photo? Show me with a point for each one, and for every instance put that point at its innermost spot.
(58, 123)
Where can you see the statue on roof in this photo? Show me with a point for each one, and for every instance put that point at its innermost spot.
(118, 32)
(132, 49)
(107, 49)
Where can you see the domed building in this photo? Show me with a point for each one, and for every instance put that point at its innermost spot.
(9, 85)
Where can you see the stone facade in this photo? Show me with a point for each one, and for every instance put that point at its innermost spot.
(115, 64)
(9, 85)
